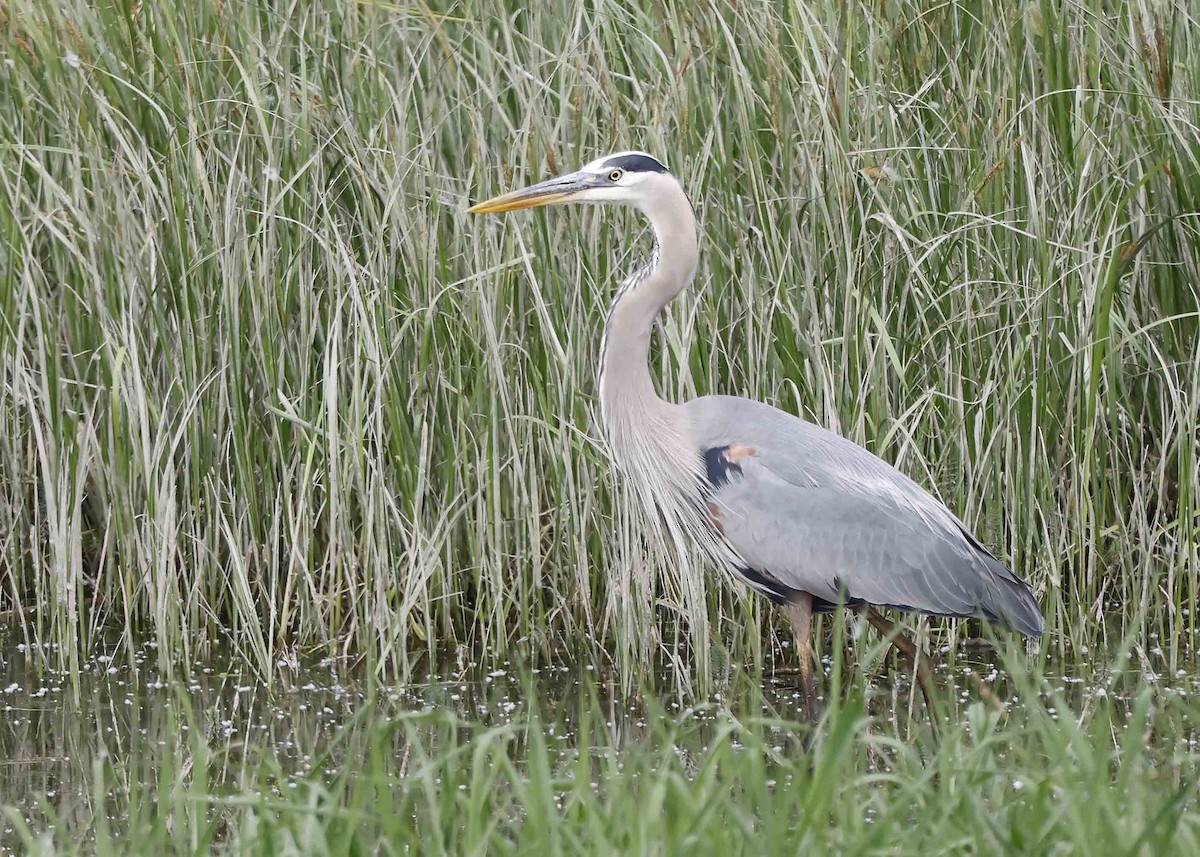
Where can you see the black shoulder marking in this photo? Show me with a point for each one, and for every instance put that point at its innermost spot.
(720, 469)
(635, 164)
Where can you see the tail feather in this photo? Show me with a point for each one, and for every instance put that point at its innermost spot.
(1012, 602)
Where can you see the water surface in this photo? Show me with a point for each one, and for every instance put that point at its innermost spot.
(54, 741)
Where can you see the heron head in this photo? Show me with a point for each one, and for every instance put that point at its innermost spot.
(625, 177)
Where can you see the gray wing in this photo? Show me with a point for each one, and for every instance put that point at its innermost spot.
(808, 510)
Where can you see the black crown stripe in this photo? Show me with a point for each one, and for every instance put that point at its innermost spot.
(635, 164)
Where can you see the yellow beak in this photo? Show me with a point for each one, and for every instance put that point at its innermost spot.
(544, 193)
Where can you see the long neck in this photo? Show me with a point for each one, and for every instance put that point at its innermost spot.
(648, 437)
(626, 388)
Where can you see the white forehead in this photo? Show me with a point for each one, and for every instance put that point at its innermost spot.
(597, 165)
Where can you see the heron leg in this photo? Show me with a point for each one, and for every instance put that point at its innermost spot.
(799, 611)
(920, 661)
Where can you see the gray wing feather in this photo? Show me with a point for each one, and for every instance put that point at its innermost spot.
(822, 515)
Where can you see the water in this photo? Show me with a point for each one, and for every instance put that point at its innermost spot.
(54, 741)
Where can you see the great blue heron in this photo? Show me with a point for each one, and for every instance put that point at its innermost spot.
(807, 518)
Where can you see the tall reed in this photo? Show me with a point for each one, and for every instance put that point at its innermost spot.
(264, 383)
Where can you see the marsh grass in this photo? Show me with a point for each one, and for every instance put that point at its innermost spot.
(264, 382)
(1055, 772)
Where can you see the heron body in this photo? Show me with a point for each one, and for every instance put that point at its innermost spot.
(806, 517)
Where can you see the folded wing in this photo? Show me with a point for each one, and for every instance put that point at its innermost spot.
(809, 511)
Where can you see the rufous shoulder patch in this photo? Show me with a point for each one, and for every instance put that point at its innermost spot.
(736, 453)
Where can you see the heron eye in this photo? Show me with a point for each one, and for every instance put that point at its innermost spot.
(615, 176)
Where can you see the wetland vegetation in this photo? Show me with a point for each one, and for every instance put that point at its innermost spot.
(308, 539)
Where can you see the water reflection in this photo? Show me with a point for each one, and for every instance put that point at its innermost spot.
(54, 741)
